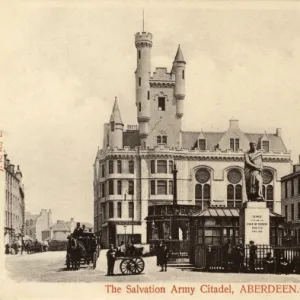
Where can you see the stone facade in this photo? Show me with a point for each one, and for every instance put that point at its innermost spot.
(135, 165)
(38, 226)
(290, 195)
(14, 209)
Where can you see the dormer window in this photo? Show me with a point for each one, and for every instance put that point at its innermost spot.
(162, 140)
(234, 144)
(161, 103)
(202, 144)
(266, 146)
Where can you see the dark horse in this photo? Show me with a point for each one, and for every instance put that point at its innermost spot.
(74, 254)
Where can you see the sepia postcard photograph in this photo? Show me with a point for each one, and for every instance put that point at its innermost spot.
(149, 148)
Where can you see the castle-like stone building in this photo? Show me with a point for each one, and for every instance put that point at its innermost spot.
(133, 170)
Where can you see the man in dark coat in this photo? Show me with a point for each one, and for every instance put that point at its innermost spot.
(111, 258)
(268, 263)
(164, 256)
(78, 232)
(252, 256)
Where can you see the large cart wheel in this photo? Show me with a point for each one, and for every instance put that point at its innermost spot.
(126, 266)
(138, 265)
(95, 260)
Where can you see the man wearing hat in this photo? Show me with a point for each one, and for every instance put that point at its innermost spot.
(111, 258)
(252, 256)
(78, 232)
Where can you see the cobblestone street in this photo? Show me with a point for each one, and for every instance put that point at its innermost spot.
(50, 267)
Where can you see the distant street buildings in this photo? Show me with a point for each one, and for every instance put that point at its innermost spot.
(37, 226)
(14, 209)
(290, 194)
(133, 172)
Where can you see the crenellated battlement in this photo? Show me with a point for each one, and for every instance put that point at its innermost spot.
(143, 39)
(161, 74)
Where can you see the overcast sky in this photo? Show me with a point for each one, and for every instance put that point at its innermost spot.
(61, 68)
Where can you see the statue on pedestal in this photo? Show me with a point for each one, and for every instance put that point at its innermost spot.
(253, 173)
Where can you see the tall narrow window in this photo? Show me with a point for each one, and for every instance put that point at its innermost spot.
(153, 192)
(232, 144)
(292, 187)
(103, 189)
(292, 212)
(202, 144)
(230, 192)
(140, 81)
(140, 106)
(170, 166)
(266, 146)
(119, 165)
(131, 167)
(238, 192)
(170, 187)
(119, 187)
(130, 187)
(286, 189)
(299, 185)
(110, 167)
(237, 144)
(298, 213)
(286, 212)
(148, 95)
(183, 74)
(198, 191)
(119, 209)
(111, 187)
(161, 103)
(206, 193)
(162, 187)
(152, 167)
(111, 210)
(102, 170)
(159, 140)
(112, 126)
(139, 54)
(131, 210)
(164, 139)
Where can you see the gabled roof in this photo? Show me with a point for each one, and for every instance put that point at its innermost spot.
(60, 227)
(189, 140)
(59, 236)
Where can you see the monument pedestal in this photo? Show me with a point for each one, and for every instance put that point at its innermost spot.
(255, 223)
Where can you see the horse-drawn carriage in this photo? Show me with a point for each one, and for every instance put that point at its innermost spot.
(82, 250)
(130, 260)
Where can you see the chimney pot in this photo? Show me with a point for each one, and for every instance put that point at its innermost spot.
(234, 123)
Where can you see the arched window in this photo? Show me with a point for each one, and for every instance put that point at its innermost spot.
(206, 192)
(269, 192)
(202, 187)
(230, 192)
(198, 191)
(119, 166)
(234, 188)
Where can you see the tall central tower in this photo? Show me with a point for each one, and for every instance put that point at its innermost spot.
(143, 44)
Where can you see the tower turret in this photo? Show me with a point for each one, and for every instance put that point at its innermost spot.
(143, 44)
(116, 127)
(179, 71)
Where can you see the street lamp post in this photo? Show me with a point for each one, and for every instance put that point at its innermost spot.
(125, 232)
(173, 220)
(132, 211)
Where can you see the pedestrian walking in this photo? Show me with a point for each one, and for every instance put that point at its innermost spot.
(111, 258)
(227, 255)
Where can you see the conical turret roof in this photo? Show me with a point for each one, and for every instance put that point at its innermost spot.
(116, 115)
(179, 55)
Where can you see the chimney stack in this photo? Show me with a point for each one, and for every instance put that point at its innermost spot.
(279, 132)
(234, 123)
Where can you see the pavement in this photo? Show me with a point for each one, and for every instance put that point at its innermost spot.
(50, 267)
